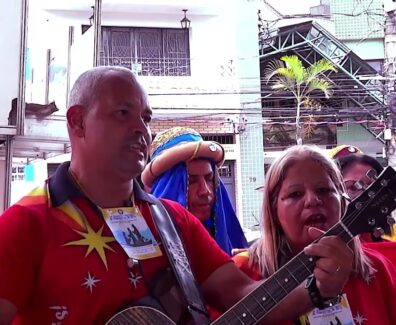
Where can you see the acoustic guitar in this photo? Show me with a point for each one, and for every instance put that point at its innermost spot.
(370, 212)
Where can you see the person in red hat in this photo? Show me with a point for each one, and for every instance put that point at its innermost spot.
(343, 150)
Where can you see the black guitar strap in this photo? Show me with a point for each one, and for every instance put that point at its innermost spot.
(174, 248)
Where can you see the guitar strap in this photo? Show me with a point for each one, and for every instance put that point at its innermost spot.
(174, 248)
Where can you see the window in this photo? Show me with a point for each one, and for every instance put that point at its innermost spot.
(225, 171)
(18, 173)
(220, 138)
(51, 168)
(147, 51)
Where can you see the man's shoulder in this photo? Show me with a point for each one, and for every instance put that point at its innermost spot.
(172, 204)
(36, 197)
(32, 209)
(24, 219)
(175, 208)
(185, 221)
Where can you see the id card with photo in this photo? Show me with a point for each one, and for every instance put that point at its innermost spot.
(339, 314)
(132, 232)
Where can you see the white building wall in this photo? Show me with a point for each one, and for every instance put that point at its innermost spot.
(389, 5)
(212, 47)
(82, 53)
(10, 21)
(250, 138)
(371, 49)
(2, 181)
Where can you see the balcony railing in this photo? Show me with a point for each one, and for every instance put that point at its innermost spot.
(151, 66)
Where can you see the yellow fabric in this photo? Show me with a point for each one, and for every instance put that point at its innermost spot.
(333, 153)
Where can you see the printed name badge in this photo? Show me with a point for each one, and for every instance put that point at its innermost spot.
(339, 314)
(132, 232)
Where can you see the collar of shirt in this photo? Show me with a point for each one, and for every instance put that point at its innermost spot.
(62, 187)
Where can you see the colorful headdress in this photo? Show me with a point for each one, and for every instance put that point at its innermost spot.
(342, 151)
(166, 176)
(175, 145)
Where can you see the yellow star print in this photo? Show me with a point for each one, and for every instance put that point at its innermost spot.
(94, 240)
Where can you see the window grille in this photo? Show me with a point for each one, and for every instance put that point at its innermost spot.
(225, 171)
(220, 138)
(18, 173)
(147, 51)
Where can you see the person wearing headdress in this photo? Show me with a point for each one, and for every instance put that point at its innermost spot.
(343, 150)
(184, 168)
(359, 171)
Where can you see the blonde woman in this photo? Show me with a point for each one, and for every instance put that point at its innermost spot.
(304, 197)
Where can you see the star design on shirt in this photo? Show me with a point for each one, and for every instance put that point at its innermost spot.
(94, 241)
(134, 278)
(359, 319)
(90, 282)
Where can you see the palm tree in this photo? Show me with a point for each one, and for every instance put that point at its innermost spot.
(291, 75)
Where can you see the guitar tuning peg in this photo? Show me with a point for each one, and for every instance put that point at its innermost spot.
(390, 220)
(372, 174)
(378, 232)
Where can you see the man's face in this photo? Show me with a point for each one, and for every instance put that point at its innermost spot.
(200, 188)
(116, 127)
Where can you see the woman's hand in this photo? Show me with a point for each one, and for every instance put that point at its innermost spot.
(236, 251)
(334, 264)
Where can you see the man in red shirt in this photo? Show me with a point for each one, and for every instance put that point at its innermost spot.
(66, 256)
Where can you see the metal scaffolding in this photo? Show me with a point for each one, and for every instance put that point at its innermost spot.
(353, 82)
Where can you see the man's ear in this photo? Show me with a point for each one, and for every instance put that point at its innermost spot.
(75, 120)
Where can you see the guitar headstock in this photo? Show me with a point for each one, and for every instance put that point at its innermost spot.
(370, 211)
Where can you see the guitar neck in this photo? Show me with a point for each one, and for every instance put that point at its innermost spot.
(266, 296)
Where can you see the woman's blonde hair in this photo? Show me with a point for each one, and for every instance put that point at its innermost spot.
(267, 251)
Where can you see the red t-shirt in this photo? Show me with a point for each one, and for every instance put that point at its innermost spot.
(386, 248)
(57, 272)
(371, 303)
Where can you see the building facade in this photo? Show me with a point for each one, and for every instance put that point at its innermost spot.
(205, 77)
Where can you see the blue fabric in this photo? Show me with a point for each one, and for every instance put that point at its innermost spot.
(172, 185)
(232, 236)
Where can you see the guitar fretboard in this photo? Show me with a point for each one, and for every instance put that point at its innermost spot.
(266, 296)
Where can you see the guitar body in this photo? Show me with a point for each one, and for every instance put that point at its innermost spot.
(140, 316)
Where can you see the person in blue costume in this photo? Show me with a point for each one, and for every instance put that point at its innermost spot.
(184, 168)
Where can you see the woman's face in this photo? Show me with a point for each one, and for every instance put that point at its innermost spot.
(307, 198)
